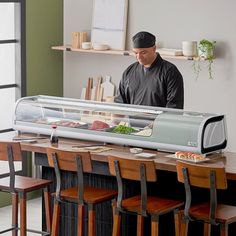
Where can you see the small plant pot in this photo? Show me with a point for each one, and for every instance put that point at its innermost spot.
(205, 53)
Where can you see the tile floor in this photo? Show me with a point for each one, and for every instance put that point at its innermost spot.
(34, 212)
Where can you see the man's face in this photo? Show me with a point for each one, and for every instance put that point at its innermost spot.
(145, 56)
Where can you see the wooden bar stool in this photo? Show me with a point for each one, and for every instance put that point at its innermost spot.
(78, 162)
(142, 204)
(19, 186)
(209, 212)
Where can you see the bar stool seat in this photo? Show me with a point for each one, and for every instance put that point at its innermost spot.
(19, 186)
(224, 214)
(23, 183)
(91, 195)
(155, 205)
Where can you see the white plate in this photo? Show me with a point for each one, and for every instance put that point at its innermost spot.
(145, 155)
(100, 47)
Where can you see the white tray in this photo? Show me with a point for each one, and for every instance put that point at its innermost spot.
(170, 51)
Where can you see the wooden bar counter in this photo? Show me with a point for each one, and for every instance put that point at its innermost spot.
(167, 184)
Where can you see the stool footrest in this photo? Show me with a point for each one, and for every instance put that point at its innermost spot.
(38, 232)
(9, 229)
(28, 230)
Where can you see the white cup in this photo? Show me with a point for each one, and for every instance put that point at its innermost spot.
(86, 45)
(189, 48)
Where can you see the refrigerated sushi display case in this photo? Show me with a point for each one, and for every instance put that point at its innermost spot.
(133, 125)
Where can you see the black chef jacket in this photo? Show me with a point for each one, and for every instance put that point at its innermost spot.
(159, 85)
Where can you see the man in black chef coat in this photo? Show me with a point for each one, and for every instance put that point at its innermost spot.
(151, 80)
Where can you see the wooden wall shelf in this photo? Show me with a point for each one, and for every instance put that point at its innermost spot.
(117, 52)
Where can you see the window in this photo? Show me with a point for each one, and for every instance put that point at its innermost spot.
(12, 58)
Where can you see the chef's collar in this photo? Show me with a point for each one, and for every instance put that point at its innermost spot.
(157, 62)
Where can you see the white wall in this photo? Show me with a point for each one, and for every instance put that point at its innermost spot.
(172, 22)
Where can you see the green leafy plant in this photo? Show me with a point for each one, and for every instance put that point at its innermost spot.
(196, 67)
(206, 51)
(122, 129)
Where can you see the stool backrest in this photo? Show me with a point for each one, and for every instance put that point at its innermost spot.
(130, 169)
(78, 162)
(10, 147)
(139, 170)
(199, 175)
(11, 151)
(67, 159)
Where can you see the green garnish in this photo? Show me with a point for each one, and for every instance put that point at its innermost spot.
(122, 129)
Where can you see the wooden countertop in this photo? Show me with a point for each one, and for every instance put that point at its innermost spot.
(162, 161)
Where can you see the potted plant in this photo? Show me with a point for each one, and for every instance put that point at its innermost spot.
(205, 51)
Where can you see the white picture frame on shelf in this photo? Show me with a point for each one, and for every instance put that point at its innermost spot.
(109, 23)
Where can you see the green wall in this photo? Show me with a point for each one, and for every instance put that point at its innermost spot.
(4, 199)
(44, 67)
(44, 28)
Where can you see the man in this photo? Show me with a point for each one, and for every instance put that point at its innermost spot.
(151, 80)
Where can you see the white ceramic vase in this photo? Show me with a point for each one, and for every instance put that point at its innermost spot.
(189, 48)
